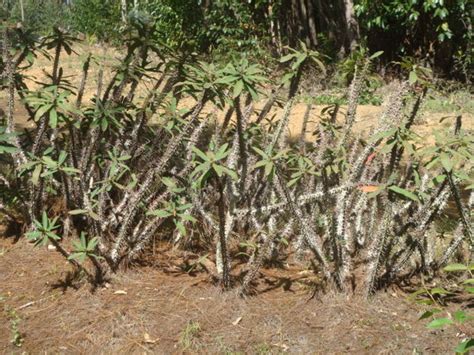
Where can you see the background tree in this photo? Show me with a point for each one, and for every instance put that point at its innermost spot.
(437, 32)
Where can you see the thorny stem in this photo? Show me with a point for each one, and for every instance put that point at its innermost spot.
(222, 236)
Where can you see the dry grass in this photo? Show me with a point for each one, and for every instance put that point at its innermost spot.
(148, 311)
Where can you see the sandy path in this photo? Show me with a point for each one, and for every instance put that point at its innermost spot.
(366, 118)
(367, 115)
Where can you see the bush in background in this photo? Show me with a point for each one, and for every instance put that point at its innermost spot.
(97, 18)
(39, 15)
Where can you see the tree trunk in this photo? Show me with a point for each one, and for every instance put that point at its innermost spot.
(274, 29)
(124, 10)
(352, 27)
(22, 9)
(304, 23)
(313, 34)
(295, 27)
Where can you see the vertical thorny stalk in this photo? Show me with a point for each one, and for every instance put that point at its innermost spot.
(257, 262)
(458, 237)
(375, 252)
(306, 229)
(19, 156)
(222, 246)
(304, 127)
(342, 242)
(353, 98)
(9, 75)
(463, 212)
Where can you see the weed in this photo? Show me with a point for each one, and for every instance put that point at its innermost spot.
(17, 338)
(442, 318)
(224, 348)
(457, 101)
(189, 338)
(263, 349)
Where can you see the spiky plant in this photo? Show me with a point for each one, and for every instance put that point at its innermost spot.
(133, 164)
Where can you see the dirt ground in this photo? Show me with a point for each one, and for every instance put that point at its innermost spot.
(164, 310)
(367, 118)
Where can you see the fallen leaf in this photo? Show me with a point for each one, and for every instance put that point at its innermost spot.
(147, 339)
(370, 158)
(283, 346)
(237, 321)
(368, 188)
(120, 292)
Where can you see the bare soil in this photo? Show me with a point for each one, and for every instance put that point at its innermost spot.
(165, 310)
(367, 118)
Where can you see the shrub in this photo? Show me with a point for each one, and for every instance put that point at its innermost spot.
(96, 18)
(40, 15)
(357, 205)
